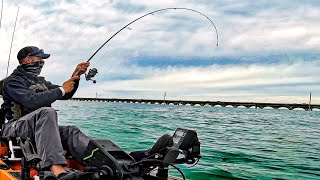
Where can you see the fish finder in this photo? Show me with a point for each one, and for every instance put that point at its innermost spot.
(182, 138)
(185, 142)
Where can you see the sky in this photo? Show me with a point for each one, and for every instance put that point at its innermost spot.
(268, 49)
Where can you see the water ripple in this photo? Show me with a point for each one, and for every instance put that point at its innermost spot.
(236, 143)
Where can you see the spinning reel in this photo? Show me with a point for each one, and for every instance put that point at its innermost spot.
(91, 74)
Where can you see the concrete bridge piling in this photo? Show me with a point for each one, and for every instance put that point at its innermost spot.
(207, 103)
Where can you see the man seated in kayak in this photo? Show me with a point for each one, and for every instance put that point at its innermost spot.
(28, 98)
(30, 115)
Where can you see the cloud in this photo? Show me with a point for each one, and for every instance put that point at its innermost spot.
(266, 50)
(274, 80)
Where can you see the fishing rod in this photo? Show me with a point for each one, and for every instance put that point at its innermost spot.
(92, 72)
(14, 30)
(1, 12)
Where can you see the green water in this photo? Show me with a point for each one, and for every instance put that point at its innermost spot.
(236, 143)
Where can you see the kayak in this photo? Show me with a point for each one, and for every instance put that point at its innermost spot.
(103, 160)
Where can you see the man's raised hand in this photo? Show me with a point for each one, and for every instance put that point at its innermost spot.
(81, 68)
(68, 86)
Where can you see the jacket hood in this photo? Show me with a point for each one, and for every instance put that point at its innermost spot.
(19, 71)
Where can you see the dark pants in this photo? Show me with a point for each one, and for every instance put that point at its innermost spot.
(41, 126)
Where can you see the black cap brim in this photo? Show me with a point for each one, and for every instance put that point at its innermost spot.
(43, 56)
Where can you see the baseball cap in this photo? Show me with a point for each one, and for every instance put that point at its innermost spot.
(32, 51)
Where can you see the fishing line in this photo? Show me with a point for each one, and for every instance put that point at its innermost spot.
(14, 30)
(152, 13)
(93, 72)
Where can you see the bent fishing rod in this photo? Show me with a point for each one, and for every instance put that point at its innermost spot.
(92, 72)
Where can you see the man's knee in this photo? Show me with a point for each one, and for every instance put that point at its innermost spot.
(47, 114)
(47, 110)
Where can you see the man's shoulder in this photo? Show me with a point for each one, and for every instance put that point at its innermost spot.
(13, 77)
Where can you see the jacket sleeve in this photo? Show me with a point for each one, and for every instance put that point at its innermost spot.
(20, 92)
(67, 95)
(70, 94)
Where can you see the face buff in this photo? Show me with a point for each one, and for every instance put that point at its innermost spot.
(34, 67)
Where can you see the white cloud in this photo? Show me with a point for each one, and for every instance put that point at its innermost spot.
(71, 32)
(253, 81)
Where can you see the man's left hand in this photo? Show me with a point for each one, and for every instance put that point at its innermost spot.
(81, 68)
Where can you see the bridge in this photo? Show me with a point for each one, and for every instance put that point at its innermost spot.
(207, 103)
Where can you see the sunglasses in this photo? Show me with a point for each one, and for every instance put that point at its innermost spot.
(40, 51)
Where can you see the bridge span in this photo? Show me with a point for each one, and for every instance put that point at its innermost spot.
(207, 103)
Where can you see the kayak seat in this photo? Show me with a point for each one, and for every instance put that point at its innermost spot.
(10, 149)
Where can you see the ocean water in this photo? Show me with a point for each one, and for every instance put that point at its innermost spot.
(236, 143)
